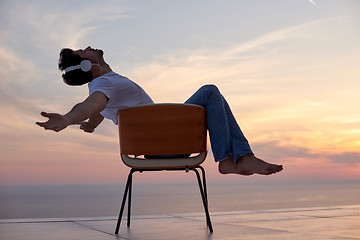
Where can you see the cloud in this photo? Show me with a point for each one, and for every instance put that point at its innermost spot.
(313, 3)
(278, 150)
(263, 68)
(346, 158)
(45, 24)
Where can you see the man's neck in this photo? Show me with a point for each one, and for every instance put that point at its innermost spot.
(105, 68)
(100, 69)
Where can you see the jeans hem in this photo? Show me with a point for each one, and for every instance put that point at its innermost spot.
(228, 155)
(241, 155)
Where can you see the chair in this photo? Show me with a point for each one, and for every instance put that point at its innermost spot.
(161, 137)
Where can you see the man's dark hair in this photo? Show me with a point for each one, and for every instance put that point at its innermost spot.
(75, 77)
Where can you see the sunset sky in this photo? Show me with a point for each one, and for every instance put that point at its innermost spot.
(290, 70)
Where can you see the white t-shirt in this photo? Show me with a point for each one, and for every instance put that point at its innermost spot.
(120, 91)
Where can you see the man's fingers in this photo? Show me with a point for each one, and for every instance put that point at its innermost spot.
(41, 124)
(83, 126)
(45, 114)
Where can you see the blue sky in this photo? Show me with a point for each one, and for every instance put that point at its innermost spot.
(289, 69)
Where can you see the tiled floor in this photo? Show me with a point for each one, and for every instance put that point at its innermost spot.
(342, 222)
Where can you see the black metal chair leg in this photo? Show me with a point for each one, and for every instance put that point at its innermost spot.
(208, 221)
(123, 201)
(204, 182)
(129, 202)
(205, 191)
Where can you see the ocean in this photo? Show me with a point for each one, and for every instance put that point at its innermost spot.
(62, 201)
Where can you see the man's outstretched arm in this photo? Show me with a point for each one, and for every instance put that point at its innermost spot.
(92, 106)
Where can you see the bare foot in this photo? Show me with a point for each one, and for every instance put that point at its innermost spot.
(248, 165)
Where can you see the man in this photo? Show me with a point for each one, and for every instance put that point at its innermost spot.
(109, 92)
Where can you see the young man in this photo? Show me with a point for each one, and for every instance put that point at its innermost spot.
(109, 92)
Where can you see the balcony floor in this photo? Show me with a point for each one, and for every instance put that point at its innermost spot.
(341, 222)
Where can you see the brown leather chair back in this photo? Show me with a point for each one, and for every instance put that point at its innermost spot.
(162, 129)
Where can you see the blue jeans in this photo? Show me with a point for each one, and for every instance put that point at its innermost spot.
(226, 137)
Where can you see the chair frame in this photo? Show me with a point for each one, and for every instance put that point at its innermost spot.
(128, 193)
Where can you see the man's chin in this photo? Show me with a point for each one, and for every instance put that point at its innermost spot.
(101, 52)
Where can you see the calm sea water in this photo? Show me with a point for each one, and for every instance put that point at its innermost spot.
(53, 201)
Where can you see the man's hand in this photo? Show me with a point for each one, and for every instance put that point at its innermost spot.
(87, 127)
(56, 122)
(93, 122)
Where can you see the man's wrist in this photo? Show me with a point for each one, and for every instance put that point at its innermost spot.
(68, 119)
(91, 125)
